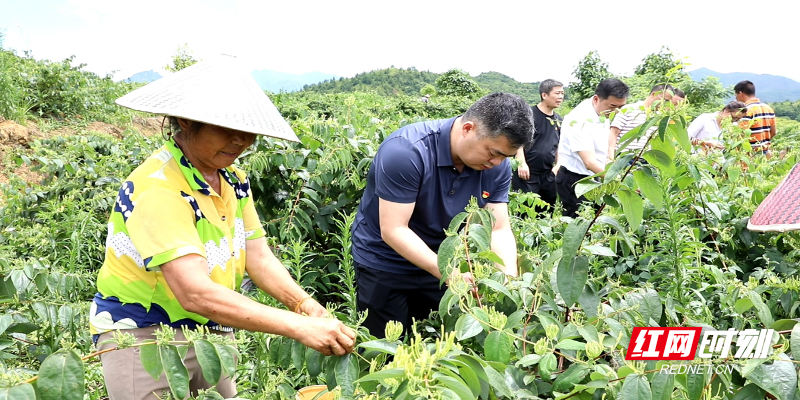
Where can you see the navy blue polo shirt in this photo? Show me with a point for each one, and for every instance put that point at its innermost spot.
(414, 165)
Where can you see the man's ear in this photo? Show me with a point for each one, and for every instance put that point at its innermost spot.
(467, 127)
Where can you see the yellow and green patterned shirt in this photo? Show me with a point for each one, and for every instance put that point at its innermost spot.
(166, 210)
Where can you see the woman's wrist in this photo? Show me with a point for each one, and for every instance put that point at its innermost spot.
(300, 303)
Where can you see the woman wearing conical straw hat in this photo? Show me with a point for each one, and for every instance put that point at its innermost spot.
(184, 231)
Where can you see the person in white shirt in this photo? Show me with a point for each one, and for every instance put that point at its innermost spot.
(583, 148)
(636, 114)
(706, 130)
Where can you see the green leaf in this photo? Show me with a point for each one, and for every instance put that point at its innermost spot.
(298, 353)
(618, 166)
(569, 344)
(632, 207)
(795, 341)
(491, 256)
(61, 377)
(497, 286)
(749, 392)
(567, 380)
(447, 251)
(778, 378)
(583, 187)
(695, 385)
(383, 375)
(784, 324)
(661, 160)
(762, 311)
(497, 382)
(467, 326)
(347, 374)
(151, 361)
(649, 187)
(209, 361)
(380, 345)
(226, 358)
(313, 362)
(456, 385)
(456, 222)
(571, 278)
(663, 385)
(636, 387)
(547, 366)
(470, 378)
(24, 391)
(177, 374)
(600, 250)
(743, 305)
(5, 321)
(497, 347)
(482, 317)
(573, 237)
(476, 365)
(681, 136)
(480, 236)
(528, 360)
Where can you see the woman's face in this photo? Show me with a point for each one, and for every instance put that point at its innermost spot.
(214, 147)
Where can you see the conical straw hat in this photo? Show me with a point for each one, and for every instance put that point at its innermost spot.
(780, 210)
(217, 92)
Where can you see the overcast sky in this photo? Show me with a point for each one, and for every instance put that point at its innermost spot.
(529, 40)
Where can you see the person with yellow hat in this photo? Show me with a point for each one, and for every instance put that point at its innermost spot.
(184, 231)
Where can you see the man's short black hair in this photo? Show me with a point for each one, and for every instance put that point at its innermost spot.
(680, 93)
(612, 87)
(503, 114)
(746, 87)
(547, 86)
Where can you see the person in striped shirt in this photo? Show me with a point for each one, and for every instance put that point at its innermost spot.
(760, 117)
(634, 115)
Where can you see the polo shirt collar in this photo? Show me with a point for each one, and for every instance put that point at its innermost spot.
(444, 157)
(191, 174)
(752, 101)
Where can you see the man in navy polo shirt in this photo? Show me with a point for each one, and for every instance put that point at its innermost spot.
(422, 176)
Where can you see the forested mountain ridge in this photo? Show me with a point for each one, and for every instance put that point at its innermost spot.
(394, 81)
(387, 82)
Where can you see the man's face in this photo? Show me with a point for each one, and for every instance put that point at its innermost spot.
(480, 151)
(678, 100)
(608, 105)
(554, 98)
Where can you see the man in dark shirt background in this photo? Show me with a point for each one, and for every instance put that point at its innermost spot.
(538, 160)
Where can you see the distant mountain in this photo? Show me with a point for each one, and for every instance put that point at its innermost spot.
(497, 82)
(273, 81)
(144, 76)
(769, 88)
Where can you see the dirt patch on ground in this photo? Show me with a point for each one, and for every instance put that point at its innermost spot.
(15, 136)
(148, 126)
